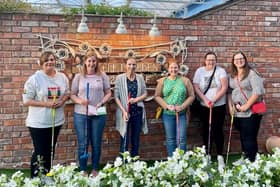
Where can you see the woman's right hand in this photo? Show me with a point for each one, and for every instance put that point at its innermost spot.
(171, 108)
(84, 102)
(125, 116)
(208, 103)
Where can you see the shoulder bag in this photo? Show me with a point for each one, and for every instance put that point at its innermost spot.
(257, 108)
(196, 106)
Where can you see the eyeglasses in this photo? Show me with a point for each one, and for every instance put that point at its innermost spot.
(239, 59)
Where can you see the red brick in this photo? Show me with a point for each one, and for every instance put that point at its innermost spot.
(20, 41)
(6, 154)
(11, 147)
(5, 41)
(21, 29)
(11, 47)
(40, 29)
(225, 30)
(10, 35)
(5, 54)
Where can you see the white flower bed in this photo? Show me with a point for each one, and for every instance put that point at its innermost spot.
(190, 169)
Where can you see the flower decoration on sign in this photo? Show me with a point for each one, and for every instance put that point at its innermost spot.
(161, 59)
(130, 54)
(175, 49)
(105, 49)
(67, 49)
(84, 47)
(59, 65)
(62, 53)
(184, 69)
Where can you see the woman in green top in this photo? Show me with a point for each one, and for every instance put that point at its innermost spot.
(174, 94)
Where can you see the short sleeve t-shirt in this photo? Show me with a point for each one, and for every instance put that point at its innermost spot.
(202, 78)
(98, 84)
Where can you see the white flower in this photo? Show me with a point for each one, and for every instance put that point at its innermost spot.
(195, 185)
(107, 166)
(118, 162)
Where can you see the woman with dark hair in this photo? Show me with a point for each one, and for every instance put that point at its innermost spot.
(45, 94)
(90, 91)
(246, 89)
(210, 85)
(174, 94)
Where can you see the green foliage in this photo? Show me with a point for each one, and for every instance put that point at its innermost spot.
(15, 6)
(102, 9)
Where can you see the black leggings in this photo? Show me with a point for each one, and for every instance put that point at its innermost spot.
(42, 138)
(217, 134)
(249, 128)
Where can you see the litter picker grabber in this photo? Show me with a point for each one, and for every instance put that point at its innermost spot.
(209, 131)
(53, 124)
(178, 130)
(85, 155)
(229, 137)
(128, 110)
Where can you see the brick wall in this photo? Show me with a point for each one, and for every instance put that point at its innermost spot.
(252, 26)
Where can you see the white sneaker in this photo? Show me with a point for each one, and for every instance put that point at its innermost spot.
(208, 159)
(84, 173)
(221, 163)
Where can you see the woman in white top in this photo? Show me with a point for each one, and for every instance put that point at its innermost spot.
(214, 98)
(45, 91)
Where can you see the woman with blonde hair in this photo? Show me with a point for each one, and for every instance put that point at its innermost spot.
(174, 94)
(90, 91)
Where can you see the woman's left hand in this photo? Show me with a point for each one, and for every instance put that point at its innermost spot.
(178, 108)
(58, 103)
(99, 105)
(133, 100)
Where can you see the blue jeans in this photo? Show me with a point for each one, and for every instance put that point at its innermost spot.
(172, 131)
(135, 125)
(89, 131)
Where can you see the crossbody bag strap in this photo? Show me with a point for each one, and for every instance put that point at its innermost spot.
(209, 84)
(238, 83)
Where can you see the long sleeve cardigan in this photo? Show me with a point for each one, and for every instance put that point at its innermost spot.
(121, 93)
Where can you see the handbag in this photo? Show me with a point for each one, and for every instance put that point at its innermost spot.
(196, 106)
(158, 112)
(258, 107)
